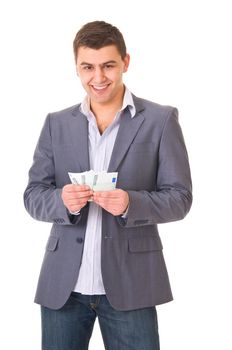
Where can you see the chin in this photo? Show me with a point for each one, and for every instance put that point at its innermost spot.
(100, 99)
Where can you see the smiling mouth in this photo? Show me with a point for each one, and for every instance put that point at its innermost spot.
(100, 88)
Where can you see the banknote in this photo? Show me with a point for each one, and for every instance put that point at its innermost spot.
(97, 181)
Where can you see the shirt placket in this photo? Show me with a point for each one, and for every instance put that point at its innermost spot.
(98, 144)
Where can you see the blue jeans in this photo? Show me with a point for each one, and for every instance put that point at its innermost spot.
(70, 327)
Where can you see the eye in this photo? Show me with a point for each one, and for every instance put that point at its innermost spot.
(109, 66)
(87, 68)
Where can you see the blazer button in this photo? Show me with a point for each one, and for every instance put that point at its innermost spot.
(79, 240)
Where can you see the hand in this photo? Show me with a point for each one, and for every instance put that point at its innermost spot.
(75, 197)
(115, 202)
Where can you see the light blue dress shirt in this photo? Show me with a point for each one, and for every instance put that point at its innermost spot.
(100, 149)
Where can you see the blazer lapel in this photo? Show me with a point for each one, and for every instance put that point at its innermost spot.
(126, 134)
(79, 138)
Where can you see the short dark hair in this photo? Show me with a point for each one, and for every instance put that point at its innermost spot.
(98, 34)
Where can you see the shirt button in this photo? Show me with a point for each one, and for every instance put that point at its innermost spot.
(79, 240)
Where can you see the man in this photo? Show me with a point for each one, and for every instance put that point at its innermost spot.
(104, 254)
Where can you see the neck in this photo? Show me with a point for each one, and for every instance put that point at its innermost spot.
(105, 112)
(105, 117)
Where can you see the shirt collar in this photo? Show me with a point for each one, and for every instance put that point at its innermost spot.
(127, 102)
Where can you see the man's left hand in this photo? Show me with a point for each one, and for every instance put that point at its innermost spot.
(115, 202)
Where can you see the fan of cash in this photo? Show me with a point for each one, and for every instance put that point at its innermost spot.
(97, 181)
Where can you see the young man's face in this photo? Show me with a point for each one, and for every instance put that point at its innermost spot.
(100, 72)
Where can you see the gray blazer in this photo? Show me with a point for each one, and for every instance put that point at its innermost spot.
(151, 159)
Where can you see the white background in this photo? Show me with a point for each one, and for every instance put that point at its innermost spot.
(180, 55)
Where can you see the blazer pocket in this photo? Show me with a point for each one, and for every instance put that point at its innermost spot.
(149, 244)
(52, 243)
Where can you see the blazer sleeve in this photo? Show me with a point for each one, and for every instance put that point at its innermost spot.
(42, 198)
(172, 197)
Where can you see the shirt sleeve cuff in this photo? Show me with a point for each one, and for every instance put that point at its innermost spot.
(124, 215)
(74, 212)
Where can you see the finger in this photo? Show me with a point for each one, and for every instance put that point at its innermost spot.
(107, 194)
(78, 198)
(78, 194)
(82, 188)
(76, 188)
(76, 205)
(83, 194)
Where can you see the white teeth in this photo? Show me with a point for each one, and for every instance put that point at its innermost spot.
(99, 87)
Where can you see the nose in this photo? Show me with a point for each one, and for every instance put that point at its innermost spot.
(99, 76)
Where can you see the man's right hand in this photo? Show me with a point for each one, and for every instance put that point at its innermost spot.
(76, 197)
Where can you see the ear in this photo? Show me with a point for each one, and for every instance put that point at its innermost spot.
(126, 61)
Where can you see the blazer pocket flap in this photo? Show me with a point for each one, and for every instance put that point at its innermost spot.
(52, 243)
(147, 244)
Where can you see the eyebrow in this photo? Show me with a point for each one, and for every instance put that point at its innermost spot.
(102, 64)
